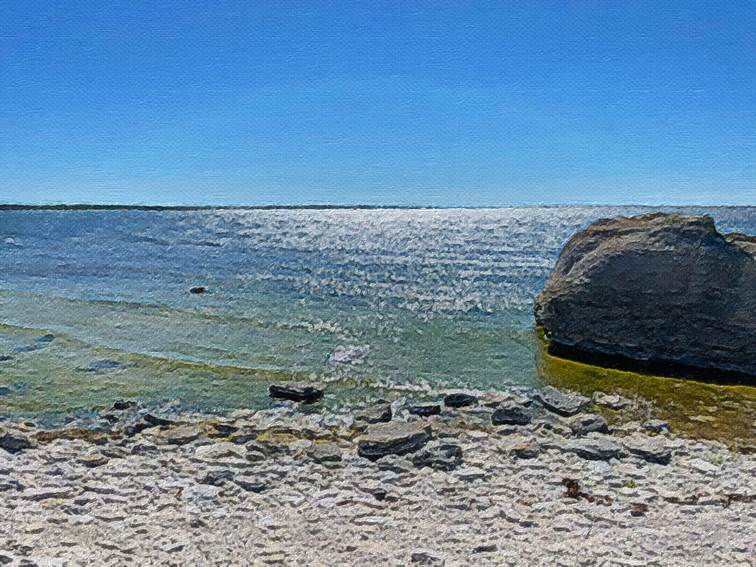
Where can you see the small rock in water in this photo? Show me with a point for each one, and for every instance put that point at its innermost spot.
(296, 391)
(5, 390)
(5, 357)
(48, 338)
(588, 423)
(197, 290)
(14, 442)
(121, 405)
(459, 400)
(562, 403)
(394, 438)
(380, 412)
(350, 354)
(612, 401)
(510, 413)
(439, 456)
(425, 410)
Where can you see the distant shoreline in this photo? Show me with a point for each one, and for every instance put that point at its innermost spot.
(93, 207)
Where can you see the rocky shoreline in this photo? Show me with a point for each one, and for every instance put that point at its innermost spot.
(474, 478)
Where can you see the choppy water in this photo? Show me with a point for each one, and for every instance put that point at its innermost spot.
(440, 296)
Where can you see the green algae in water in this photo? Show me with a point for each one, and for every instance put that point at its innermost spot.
(696, 409)
(49, 379)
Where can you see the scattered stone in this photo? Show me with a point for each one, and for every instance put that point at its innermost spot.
(250, 483)
(217, 477)
(380, 412)
(611, 401)
(439, 456)
(14, 442)
(485, 548)
(510, 413)
(522, 448)
(459, 400)
(652, 449)
(425, 410)
(221, 450)
(395, 438)
(562, 403)
(179, 435)
(296, 391)
(655, 426)
(593, 448)
(350, 354)
(325, 453)
(93, 459)
(426, 557)
(588, 423)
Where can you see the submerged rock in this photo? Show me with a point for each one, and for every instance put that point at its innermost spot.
(198, 290)
(663, 292)
(350, 354)
(395, 438)
(295, 391)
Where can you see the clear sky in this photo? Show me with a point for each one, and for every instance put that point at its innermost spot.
(427, 103)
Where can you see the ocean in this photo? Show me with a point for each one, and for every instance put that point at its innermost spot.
(96, 305)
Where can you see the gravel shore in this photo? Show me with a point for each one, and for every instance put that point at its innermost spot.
(505, 479)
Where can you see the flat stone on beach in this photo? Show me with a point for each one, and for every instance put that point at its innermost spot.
(296, 391)
(510, 413)
(425, 410)
(562, 403)
(395, 438)
(459, 400)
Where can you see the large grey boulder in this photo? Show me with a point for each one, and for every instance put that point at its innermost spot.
(663, 292)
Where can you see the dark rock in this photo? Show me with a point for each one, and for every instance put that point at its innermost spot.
(588, 423)
(510, 413)
(5, 390)
(562, 403)
(485, 548)
(426, 557)
(595, 448)
(295, 391)
(178, 435)
(5, 357)
(14, 442)
(459, 400)
(48, 338)
(380, 412)
(425, 410)
(121, 405)
(663, 293)
(197, 290)
(438, 456)
(394, 438)
(652, 449)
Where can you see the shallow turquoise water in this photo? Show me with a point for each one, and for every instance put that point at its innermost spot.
(440, 296)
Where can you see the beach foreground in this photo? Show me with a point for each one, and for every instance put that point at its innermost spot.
(289, 486)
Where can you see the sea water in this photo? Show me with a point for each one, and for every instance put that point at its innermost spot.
(96, 305)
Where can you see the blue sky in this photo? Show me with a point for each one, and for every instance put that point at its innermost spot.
(413, 103)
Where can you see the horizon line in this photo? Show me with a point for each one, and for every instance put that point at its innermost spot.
(311, 206)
